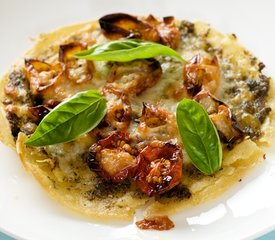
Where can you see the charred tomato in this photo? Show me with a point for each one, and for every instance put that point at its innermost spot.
(113, 158)
(160, 167)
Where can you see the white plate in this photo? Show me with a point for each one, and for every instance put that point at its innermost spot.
(27, 212)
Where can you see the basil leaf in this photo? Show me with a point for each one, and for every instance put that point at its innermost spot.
(199, 136)
(70, 119)
(127, 50)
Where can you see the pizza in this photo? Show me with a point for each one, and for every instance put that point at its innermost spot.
(133, 152)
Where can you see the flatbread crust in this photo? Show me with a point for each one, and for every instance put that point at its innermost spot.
(236, 162)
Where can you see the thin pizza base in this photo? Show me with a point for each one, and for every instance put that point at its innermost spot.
(236, 162)
(71, 196)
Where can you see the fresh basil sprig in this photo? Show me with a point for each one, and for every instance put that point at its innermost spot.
(199, 136)
(127, 50)
(70, 119)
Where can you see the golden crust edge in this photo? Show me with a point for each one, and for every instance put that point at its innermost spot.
(72, 201)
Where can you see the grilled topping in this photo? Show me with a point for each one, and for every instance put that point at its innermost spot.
(120, 25)
(227, 125)
(52, 81)
(160, 167)
(156, 123)
(248, 103)
(39, 112)
(168, 31)
(17, 88)
(153, 117)
(201, 73)
(77, 70)
(186, 28)
(208, 101)
(118, 116)
(135, 76)
(42, 76)
(113, 158)
(156, 223)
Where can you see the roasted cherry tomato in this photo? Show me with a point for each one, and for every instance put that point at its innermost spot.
(226, 123)
(156, 123)
(119, 25)
(39, 112)
(135, 76)
(118, 116)
(160, 167)
(76, 70)
(119, 109)
(152, 116)
(201, 73)
(168, 31)
(113, 158)
(42, 76)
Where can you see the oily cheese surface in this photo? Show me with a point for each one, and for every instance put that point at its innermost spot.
(73, 191)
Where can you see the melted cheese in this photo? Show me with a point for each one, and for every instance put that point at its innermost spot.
(233, 65)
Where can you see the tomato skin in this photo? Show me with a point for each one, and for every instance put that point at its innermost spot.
(201, 73)
(159, 167)
(135, 76)
(113, 158)
(229, 129)
(119, 111)
(159, 223)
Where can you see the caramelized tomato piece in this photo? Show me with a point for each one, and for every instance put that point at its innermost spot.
(39, 111)
(76, 70)
(119, 110)
(168, 31)
(160, 167)
(51, 103)
(135, 76)
(153, 117)
(208, 101)
(227, 125)
(156, 123)
(55, 82)
(156, 223)
(113, 158)
(201, 73)
(120, 25)
(42, 76)
(118, 116)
